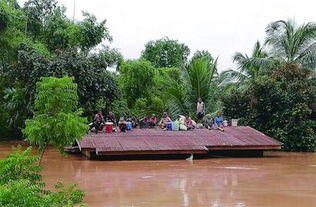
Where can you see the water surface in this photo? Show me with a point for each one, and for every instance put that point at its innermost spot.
(278, 179)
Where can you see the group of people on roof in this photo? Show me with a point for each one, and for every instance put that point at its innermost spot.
(181, 122)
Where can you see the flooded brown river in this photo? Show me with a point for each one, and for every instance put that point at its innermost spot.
(277, 179)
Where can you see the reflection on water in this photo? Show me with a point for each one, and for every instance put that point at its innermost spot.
(279, 179)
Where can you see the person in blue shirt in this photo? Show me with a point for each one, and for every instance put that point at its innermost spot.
(219, 122)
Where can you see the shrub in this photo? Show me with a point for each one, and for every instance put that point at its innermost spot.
(21, 184)
(56, 119)
(278, 105)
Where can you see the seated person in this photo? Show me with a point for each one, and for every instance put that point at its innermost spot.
(219, 122)
(144, 122)
(153, 121)
(111, 118)
(164, 120)
(181, 120)
(134, 122)
(208, 123)
(188, 122)
(122, 125)
(98, 122)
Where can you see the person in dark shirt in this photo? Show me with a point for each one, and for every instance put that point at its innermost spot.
(153, 121)
(122, 125)
(111, 118)
(144, 122)
(134, 122)
(98, 122)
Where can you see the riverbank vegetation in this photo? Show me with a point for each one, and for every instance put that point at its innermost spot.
(272, 89)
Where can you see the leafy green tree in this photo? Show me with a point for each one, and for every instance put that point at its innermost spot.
(107, 58)
(38, 40)
(38, 12)
(202, 53)
(3, 19)
(11, 35)
(290, 43)
(93, 32)
(166, 53)
(94, 82)
(61, 33)
(20, 166)
(278, 105)
(56, 119)
(136, 79)
(21, 184)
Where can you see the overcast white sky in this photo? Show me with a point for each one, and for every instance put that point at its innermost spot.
(222, 27)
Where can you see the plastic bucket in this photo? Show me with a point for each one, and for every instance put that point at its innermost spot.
(129, 125)
(234, 122)
(225, 123)
(175, 126)
(108, 127)
(169, 126)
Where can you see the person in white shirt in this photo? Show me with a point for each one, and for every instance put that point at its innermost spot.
(200, 110)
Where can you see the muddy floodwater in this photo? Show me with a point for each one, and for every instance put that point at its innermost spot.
(277, 179)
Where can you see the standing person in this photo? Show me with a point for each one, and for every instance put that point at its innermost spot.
(219, 121)
(200, 110)
(153, 121)
(164, 120)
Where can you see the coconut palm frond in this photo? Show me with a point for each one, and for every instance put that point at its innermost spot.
(233, 76)
(292, 43)
(196, 81)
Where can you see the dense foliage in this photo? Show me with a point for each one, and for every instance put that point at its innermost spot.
(278, 105)
(38, 40)
(21, 184)
(166, 53)
(56, 118)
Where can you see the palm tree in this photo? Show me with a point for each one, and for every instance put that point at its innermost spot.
(249, 67)
(290, 43)
(196, 81)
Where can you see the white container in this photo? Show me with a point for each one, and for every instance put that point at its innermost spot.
(234, 122)
(175, 126)
(225, 123)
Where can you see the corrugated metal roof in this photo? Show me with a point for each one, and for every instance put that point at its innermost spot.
(195, 141)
